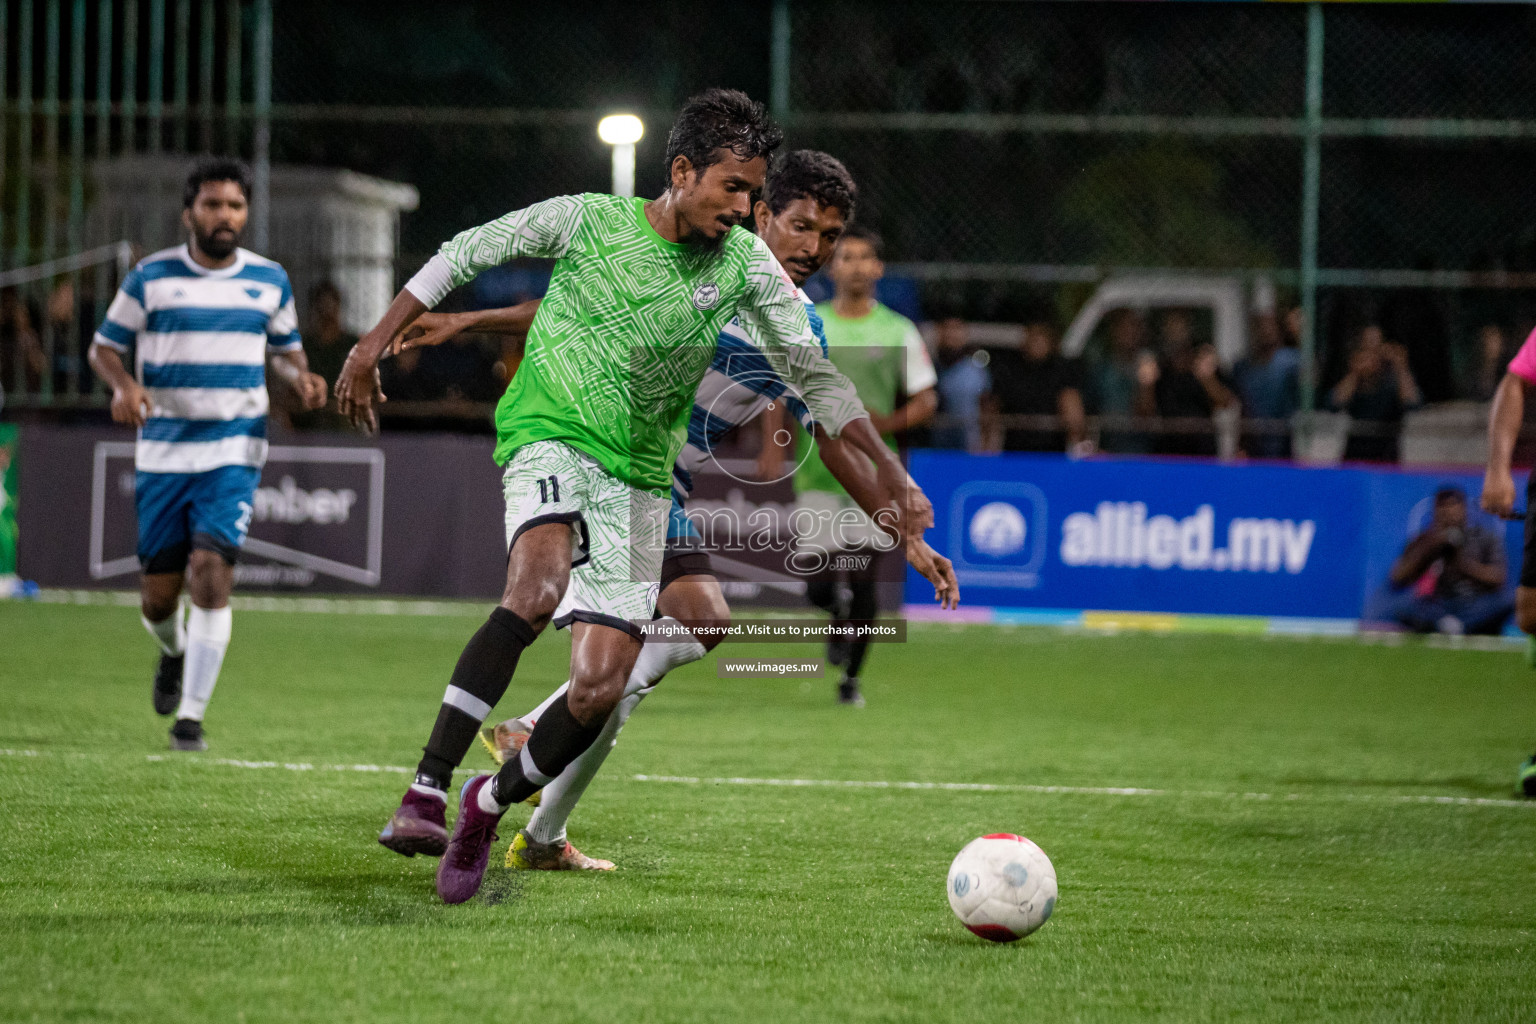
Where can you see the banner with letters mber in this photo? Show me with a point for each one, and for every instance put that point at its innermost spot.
(1153, 535)
(408, 514)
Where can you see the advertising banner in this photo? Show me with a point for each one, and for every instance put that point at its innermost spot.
(1047, 532)
(409, 514)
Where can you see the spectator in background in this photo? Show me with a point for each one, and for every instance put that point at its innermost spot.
(462, 369)
(1488, 369)
(963, 380)
(1451, 576)
(1036, 380)
(1190, 385)
(326, 344)
(62, 314)
(1268, 382)
(1124, 382)
(1376, 391)
(22, 363)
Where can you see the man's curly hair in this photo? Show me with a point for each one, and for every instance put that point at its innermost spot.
(810, 173)
(719, 119)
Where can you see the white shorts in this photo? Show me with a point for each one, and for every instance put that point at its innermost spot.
(618, 533)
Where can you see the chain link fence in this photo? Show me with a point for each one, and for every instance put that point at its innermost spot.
(1014, 156)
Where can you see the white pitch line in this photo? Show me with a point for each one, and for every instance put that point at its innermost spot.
(991, 787)
(951, 787)
(292, 766)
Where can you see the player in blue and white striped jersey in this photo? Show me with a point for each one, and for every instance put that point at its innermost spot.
(807, 201)
(202, 322)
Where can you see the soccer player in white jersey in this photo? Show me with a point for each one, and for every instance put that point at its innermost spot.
(203, 321)
(807, 201)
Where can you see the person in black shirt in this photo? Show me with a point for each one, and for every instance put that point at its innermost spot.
(1190, 385)
(1376, 391)
(1036, 380)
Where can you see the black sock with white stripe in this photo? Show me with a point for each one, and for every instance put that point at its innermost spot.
(479, 679)
(556, 741)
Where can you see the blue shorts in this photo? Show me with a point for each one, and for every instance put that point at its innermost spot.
(679, 527)
(182, 511)
(685, 554)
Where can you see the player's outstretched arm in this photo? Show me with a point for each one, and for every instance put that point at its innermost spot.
(772, 312)
(853, 471)
(1504, 421)
(358, 391)
(435, 328)
(543, 230)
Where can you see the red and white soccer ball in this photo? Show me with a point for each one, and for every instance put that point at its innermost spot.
(1002, 887)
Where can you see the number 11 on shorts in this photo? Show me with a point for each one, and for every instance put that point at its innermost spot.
(549, 486)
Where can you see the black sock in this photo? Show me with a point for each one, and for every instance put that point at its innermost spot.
(822, 592)
(556, 741)
(479, 680)
(861, 612)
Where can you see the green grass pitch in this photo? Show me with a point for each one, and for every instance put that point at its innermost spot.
(1291, 864)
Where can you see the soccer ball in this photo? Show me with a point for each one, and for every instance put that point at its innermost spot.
(1002, 887)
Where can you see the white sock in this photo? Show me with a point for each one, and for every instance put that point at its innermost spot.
(657, 657)
(560, 797)
(208, 632)
(487, 802)
(438, 794)
(656, 660)
(170, 634)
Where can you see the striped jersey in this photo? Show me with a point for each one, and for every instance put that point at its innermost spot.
(738, 385)
(200, 339)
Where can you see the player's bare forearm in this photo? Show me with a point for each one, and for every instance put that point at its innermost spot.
(402, 312)
(773, 451)
(430, 329)
(109, 366)
(862, 435)
(1504, 421)
(130, 402)
(507, 320)
(919, 409)
(852, 469)
(357, 388)
(916, 510)
(914, 412)
(292, 367)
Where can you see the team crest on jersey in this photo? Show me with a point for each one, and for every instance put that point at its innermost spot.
(706, 295)
(254, 293)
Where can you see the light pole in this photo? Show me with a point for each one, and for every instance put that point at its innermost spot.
(622, 131)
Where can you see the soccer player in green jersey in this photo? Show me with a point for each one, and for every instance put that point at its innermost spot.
(883, 355)
(588, 431)
(807, 201)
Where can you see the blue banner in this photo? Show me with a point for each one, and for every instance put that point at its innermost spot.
(1046, 532)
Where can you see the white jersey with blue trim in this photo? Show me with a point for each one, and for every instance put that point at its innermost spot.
(201, 339)
(736, 388)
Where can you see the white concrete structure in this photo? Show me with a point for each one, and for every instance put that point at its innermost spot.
(324, 224)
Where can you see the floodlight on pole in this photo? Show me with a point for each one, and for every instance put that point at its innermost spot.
(622, 131)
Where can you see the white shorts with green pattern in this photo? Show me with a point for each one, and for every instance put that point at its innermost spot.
(618, 533)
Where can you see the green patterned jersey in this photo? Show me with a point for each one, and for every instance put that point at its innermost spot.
(883, 354)
(628, 327)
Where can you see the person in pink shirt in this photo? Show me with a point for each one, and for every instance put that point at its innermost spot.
(1504, 421)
